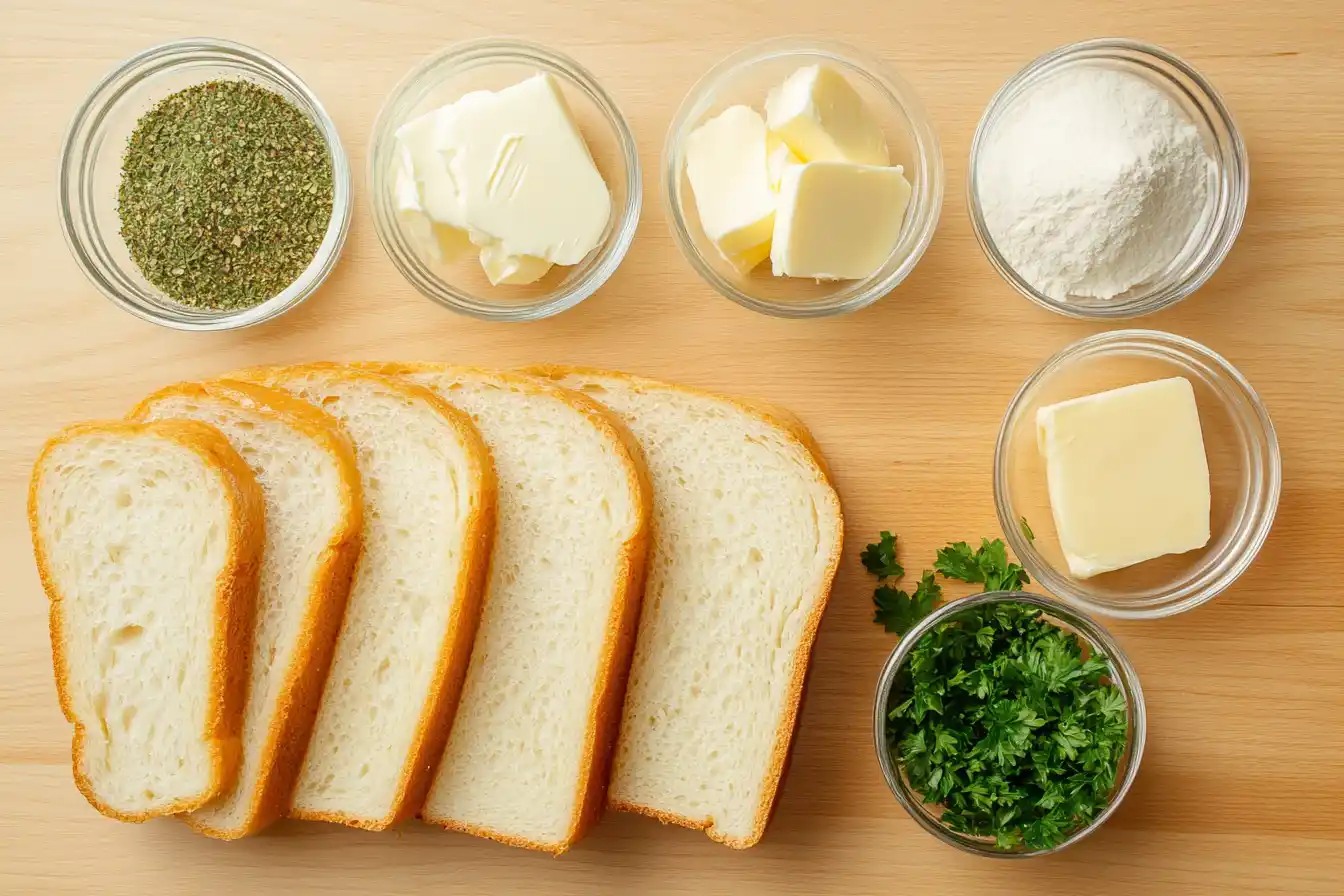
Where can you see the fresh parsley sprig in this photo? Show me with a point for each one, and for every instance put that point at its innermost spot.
(899, 611)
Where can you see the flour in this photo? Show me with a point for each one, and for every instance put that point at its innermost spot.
(1092, 182)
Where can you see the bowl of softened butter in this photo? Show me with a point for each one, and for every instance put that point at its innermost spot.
(1136, 474)
(802, 178)
(505, 181)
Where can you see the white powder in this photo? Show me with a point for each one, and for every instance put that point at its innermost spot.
(1092, 182)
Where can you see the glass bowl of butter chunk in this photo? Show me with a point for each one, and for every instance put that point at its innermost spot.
(802, 178)
(505, 181)
(1136, 474)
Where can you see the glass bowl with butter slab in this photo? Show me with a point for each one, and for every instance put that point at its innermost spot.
(505, 181)
(234, 267)
(1086, 741)
(1137, 474)
(802, 178)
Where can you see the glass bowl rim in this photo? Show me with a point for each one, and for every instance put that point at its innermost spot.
(1185, 597)
(464, 56)
(896, 90)
(1092, 631)
(87, 122)
(1220, 239)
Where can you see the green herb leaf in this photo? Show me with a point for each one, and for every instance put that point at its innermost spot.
(880, 559)
(987, 565)
(1026, 531)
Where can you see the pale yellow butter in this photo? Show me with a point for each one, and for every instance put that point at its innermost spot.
(515, 270)
(822, 118)
(1127, 475)
(508, 171)
(837, 220)
(730, 179)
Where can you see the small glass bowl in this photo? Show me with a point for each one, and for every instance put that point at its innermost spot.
(1217, 229)
(493, 64)
(1245, 473)
(1096, 638)
(745, 78)
(90, 175)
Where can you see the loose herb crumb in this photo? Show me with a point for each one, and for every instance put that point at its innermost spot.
(226, 193)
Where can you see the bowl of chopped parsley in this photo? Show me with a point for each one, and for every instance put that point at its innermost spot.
(1009, 724)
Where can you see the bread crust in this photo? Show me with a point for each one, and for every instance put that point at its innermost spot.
(300, 693)
(235, 595)
(787, 423)
(436, 718)
(622, 622)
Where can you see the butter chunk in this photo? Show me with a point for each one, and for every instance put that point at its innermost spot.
(837, 220)
(516, 167)
(1127, 475)
(822, 118)
(514, 270)
(778, 156)
(440, 242)
(726, 165)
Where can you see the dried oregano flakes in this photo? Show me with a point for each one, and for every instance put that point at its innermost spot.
(226, 193)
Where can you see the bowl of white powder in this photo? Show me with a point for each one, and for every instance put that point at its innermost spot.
(1107, 180)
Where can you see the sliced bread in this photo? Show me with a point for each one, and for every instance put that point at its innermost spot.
(148, 539)
(314, 518)
(429, 497)
(527, 759)
(748, 533)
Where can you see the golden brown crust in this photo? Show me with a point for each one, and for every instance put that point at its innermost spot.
(437, 715)
(787, 423)
(235, 591)
(300, 694)
(614, 663)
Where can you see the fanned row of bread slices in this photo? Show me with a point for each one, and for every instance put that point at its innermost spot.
(499, 601)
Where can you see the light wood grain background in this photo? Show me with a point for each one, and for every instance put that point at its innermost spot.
(1243, 781)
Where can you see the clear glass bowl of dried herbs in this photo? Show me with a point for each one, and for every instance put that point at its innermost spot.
(1009, 724)
(204, 187)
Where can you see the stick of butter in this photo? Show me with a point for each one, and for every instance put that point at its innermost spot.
(823, 119)
(1127, 475)
(837, 220)
(727, 166)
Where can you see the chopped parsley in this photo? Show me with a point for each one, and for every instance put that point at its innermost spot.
(1000, 719)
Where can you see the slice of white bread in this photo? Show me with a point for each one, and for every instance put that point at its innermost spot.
(527, 760)
(429, 498)
(748, 533)
(148, 539)
(314, 519)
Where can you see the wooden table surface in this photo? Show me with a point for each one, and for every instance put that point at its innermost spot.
(1243, 780)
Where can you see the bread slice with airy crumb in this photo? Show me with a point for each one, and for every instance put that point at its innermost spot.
(148, 539)
(314, 519)
(748, 536)
(527, 759)
(429, 509)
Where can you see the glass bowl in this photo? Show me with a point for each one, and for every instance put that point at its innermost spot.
(745, 78)
(90, 174)
(1217, 229)
(1244, 473)
(1096, 638)
(492, 64)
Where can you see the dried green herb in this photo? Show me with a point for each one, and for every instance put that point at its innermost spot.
(226, 193)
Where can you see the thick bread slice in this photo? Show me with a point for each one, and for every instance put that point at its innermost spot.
(527, 759)
(429, 509)
(314, 519)
(748, 533)
(148, 538)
